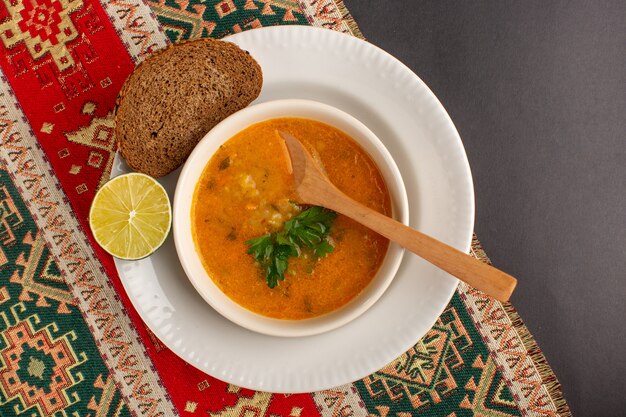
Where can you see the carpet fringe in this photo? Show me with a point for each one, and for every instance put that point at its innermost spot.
(546, 373)
(347, 17)
(548, 377)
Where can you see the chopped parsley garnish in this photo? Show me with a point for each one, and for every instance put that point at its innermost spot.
(307, 230)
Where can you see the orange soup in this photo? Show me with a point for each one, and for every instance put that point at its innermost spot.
(246, 191)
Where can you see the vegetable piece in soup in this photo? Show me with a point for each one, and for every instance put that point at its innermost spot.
(246, 191)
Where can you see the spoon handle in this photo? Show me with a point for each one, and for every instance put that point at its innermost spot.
(479, 275)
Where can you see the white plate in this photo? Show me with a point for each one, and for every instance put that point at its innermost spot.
(368, 83)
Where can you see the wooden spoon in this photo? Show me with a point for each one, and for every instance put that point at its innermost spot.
(313, 187)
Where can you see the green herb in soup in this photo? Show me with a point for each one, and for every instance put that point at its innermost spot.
(307, 232)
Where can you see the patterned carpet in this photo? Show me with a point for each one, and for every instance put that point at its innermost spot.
(71, 343)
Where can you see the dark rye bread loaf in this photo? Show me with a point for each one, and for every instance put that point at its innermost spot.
(176, 96)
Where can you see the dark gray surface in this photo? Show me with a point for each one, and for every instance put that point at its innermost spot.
(537, 91)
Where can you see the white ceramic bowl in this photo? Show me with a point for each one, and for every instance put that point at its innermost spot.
(190, 175)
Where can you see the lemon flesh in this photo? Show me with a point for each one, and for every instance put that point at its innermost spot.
(130, 216)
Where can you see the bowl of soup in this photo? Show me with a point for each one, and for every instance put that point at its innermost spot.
(235, 197)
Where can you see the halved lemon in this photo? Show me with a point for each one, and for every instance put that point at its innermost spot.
(131, 216)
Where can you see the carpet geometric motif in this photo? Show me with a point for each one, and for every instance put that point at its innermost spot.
(99, 136)
(49, 361)
(40, 277)
(10, 221)
(66, 63)
(192, 19)
(43, 25)
(448, 371)
(36, 366)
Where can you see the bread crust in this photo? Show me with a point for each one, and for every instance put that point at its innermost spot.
(175, 96)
